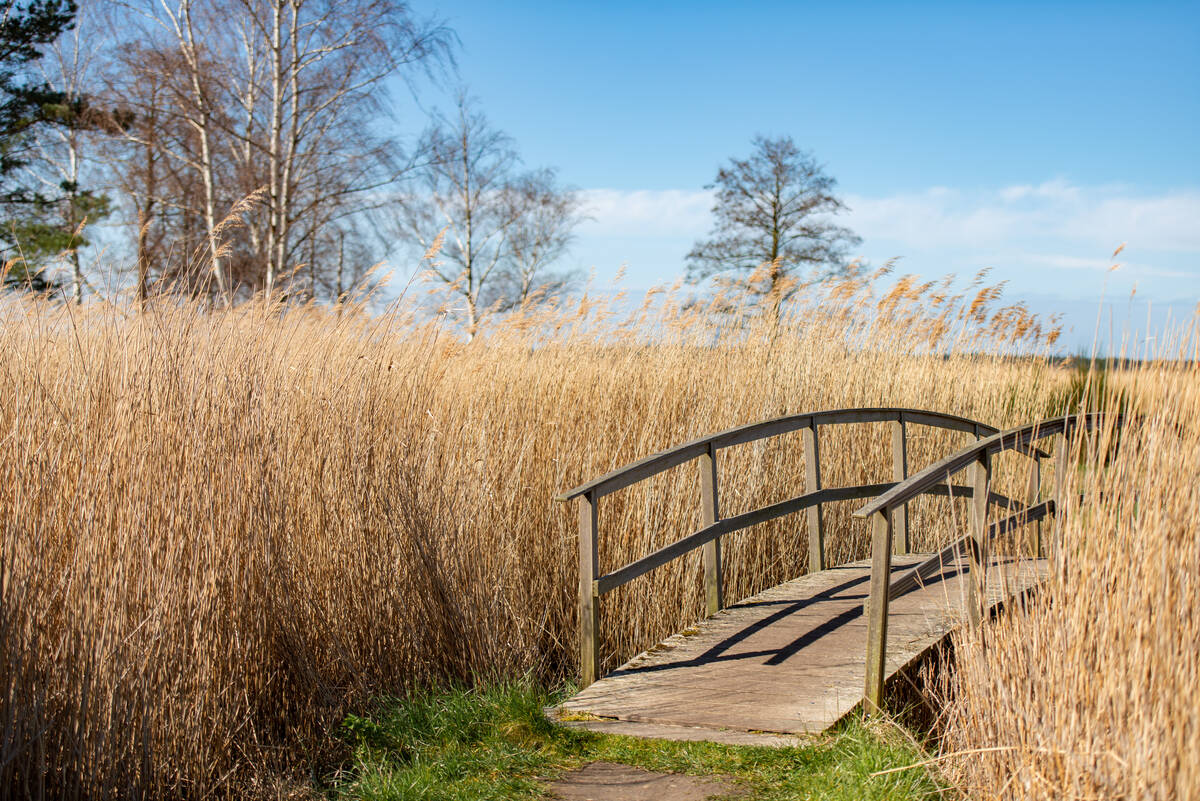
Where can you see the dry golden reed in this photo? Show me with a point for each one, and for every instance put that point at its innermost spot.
(222, 530)
(1091, 690)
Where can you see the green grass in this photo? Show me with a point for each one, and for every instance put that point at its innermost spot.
(495, 743)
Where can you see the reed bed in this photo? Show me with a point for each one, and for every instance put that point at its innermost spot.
(222, 531)
(1089, 690)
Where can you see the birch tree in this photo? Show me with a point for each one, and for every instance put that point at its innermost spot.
(545, 217)
(60, 153)
(307, 96)
(282, 99)
(502, 228)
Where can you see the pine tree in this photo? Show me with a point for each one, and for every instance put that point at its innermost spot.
(26, 103)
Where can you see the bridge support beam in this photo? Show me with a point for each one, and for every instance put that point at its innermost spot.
(1061, 469)
(978, 538)
(812, 483)
(589, 601)
(714, 593)
(877, 609)
(899, 473)
(1033, 497)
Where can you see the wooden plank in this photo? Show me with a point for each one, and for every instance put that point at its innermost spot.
(643, 468)
(899, 473)
(671, 457)
(589, 602)
(877, 611)
(941, 470)
(710, 514)
(964, 491)
(753, 433)
(963, 424)
(784, 660)
(812, 483)
(1029, 514)
(947, 421)
(870, 414)
(915, 578)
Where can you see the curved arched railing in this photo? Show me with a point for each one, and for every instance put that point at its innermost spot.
(593, 585)
(978, 458)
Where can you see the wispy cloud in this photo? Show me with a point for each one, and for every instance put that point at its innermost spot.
(1097, 218)
(647, 212)
(1063, 262)
(1041, 237)
(1093, 218)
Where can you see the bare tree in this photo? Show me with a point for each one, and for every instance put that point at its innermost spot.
(200, 108)
(772, 211)
(502, 228)
(156, 163)
(545, 218)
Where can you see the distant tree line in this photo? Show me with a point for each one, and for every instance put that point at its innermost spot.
(238, 147)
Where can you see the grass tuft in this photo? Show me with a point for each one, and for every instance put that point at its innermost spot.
(494, 743)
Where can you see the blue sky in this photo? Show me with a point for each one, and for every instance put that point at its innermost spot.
(1029, 138)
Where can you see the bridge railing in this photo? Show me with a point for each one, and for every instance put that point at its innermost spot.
(593, 585)
(977, 458)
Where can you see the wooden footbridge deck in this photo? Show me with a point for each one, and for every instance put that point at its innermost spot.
(800, 656)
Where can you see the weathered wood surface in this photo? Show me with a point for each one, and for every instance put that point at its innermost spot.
(789, 660)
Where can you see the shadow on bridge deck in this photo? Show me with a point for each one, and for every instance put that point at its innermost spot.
(787, 661)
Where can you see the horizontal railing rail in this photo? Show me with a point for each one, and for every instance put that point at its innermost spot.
(610, 581)
(672, 457)
(978, 458)
(934, 565)
(593, 584)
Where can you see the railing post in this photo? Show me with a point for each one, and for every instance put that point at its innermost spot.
(589, 602)
(877, 609)
(812, 483)
(977, 551)
(1033, 497)
(1060, 489)
(899, 473)
(711, 512)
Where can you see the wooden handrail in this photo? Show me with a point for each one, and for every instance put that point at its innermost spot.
(977, 457)
(916, 576)
(671, 457)
(1013, 439)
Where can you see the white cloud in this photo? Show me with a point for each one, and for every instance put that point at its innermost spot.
(1054, 237)
(1092, 219)
(646, 212)
(1098, 219)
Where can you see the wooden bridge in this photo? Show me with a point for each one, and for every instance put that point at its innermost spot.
(799, 656)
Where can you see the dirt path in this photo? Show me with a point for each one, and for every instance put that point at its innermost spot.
(608, 781)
